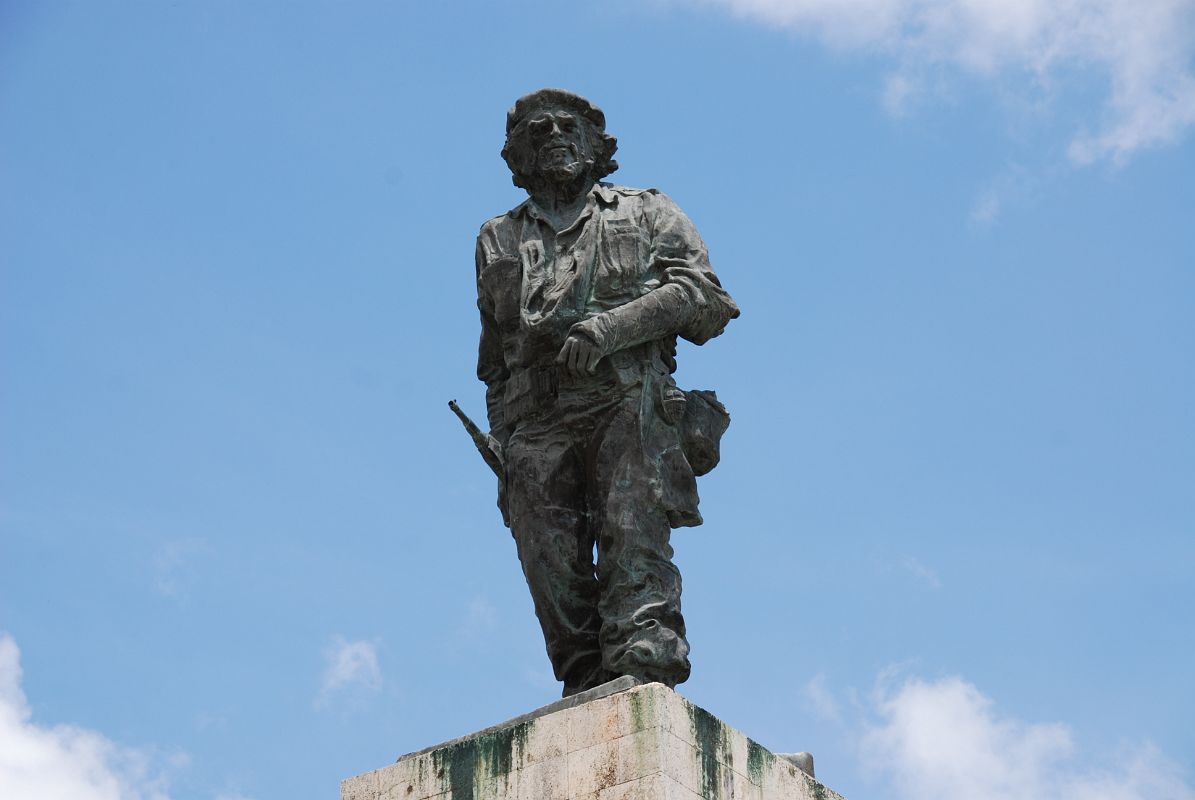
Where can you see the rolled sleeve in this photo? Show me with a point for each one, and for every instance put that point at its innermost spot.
(681, 259)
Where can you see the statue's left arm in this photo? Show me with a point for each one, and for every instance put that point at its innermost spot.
(689, 301)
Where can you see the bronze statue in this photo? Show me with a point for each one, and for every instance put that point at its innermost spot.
(583, 289)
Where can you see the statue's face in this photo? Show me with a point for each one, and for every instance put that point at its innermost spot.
(558, 144)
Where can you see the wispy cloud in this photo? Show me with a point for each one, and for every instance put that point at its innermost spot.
(821, 699)
(66, 762)
(921, 572)
(349, 668)
(945, 740)
(171, 563)
(899, 91)
(1142, 51)
(986, 208)
(481, 617)
(1013, 186)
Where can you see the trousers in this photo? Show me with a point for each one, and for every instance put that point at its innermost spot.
(584, 477)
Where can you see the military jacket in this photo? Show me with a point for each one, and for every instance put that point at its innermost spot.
(631, 271)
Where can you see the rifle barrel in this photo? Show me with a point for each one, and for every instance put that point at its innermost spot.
(486, 445)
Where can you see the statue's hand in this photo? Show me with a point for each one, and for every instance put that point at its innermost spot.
(580, 354)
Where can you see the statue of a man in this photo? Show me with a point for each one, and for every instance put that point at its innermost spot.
(583, 289)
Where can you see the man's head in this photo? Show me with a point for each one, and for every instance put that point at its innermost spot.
(557, 139)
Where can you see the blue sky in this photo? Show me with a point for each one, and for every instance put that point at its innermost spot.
(246, 551)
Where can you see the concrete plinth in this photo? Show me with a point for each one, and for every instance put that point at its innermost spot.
(645, 742)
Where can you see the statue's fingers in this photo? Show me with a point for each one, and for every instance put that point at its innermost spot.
(574, 358)
(562, 356)
(593, 356)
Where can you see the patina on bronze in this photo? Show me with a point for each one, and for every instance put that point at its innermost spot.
(583, 291)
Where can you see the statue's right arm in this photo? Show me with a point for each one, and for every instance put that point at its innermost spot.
(491, 366)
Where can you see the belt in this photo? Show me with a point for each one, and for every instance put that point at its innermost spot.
(535, 390)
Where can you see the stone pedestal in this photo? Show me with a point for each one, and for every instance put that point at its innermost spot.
(619, 742)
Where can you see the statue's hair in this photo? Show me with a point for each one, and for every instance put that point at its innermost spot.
(519, 155)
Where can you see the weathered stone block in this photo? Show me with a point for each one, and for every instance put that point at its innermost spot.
(641, 743)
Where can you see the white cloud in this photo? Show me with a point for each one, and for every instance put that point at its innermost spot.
(1143, 51)
(64, 762)
(914, 567)
(986, 208)
(944, 740)
(899, 90)
(171, 562)
(481, 617)
(1012, 186)
(349, 666)
(819, 696)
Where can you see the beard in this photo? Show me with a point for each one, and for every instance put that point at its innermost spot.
(561, 170)
(562, 174)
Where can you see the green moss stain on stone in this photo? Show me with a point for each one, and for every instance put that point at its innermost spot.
(456, 767)
(642, 717)
(819, 791)
(710, 735)
(422, 765)
(759, 760)
(464, 768)
(640, 708)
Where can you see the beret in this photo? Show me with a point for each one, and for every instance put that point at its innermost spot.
(554, 98)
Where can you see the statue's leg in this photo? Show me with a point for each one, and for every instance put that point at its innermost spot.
(643, 632)
(546, 500)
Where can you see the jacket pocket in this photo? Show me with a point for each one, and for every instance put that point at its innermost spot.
(620, 261)
(500, 280)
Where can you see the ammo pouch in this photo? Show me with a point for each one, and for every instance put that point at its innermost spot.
(701, 429)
